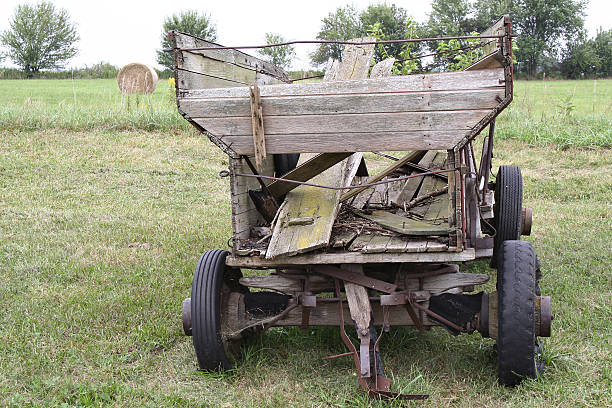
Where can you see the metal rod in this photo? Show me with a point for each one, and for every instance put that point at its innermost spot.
(438, 317)
(407, 40)
(225, 173)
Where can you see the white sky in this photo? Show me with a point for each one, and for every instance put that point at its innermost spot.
(126, 31)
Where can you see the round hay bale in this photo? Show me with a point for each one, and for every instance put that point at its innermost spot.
(137, 78)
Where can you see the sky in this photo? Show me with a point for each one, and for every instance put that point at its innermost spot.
(121, 32)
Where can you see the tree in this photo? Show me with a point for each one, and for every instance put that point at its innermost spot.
(190, 22)
(590, 58)
(392, 22)
(341, 25)
(280, 56)
(40, 37)
(545, 27)
(450, 17)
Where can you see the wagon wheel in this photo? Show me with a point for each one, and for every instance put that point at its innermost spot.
(518, 351)
(214, 284)
(508, 206)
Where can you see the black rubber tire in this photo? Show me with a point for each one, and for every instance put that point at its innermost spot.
(517, 348)
(210, 280)
(284, 163)
(508, 207)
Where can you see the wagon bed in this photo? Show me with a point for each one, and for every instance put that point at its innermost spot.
(432, 115)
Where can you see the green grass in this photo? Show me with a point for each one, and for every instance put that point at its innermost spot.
(560, 113)
(86, 104)
(557, 113)
(100, 231)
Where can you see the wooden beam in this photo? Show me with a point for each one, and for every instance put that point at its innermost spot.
(493, 60)
(259, 141)
(305, 171)
(334, 258)
(423, 101)
(347, 123)
(446, 81)
(231, 59)
(404, 225)
(434, 284)
(351, 142)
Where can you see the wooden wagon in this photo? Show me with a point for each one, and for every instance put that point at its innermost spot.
(337, 243)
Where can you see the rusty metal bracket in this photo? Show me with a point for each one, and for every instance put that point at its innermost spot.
(379, 388)
(350, 276)
(438, 317)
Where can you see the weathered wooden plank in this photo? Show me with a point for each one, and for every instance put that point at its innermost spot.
(347, 123)
(383, 68)
(360, 242)
(351, 142)
(435, 246)
(403, 225)
(496, 29)
(378, 244)
(329, 258)
(416, 246)
(412, 185)
(446, 81)
(326, 314)
(331, 72)
(492, 60)
(230, 57)
(244, 214)
(355, 62)
(431, 184)
(305, 171)
(398, 245)
(393, 167)
(438, 284)
(283, 284)
(348, 103)
(259, 140)
(343, 239)
(358, 299)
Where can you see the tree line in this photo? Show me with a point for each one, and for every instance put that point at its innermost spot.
(552, 39)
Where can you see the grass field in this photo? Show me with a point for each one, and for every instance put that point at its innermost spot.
(105, 210)
(559, 113)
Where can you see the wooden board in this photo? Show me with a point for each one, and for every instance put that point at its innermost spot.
(432, 184)
(351, 142)
(444, 81)
(496, 29)
(320, 204)
(412, 185)
(346, 123)
(305, 171)
(219, 68)
(329, 258)
(346, 103)
(371, 244)
(492, 60)
(343, 239)
(244, 214)
(404, 225)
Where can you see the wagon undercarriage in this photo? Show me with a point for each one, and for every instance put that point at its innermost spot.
(352, 201)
